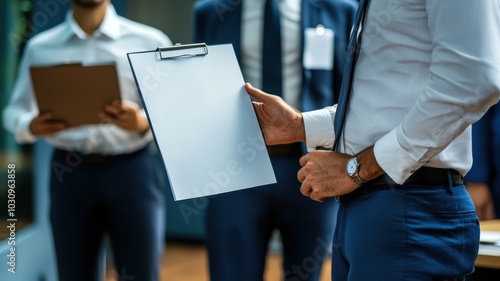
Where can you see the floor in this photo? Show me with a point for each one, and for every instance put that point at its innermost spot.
(188, 262)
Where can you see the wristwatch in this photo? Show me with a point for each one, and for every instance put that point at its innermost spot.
(353, 169)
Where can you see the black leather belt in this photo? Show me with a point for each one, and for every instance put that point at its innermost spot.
(285, 149)
(98, 159)
(425, 176)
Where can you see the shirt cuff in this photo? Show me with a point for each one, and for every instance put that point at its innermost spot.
(318, 125)
(393, 159)
(148, 135)
(23, 134)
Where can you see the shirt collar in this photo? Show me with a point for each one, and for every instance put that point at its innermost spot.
(110, 26)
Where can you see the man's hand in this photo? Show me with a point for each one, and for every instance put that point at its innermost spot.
(126, 115)
(44, 124)
(323, 174)
(481, 196)
(280, 122)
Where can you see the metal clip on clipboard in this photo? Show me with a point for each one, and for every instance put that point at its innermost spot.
(177, 51)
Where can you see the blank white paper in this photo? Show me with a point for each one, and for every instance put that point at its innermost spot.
(203, 122)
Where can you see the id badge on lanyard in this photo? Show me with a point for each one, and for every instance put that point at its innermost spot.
(318, 48)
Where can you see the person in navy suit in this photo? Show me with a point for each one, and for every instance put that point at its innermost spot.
(483, 180)
(240, 224)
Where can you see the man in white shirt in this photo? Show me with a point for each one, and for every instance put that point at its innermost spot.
(426, 71)
(103, 179)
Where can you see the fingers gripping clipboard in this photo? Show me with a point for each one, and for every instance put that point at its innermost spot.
(202, 119)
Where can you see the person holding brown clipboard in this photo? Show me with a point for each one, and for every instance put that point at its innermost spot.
(102, 175)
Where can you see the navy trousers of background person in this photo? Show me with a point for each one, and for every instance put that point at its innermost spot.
(119, 197)
(240, 224)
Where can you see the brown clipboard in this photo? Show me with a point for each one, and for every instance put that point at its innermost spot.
(75, 93)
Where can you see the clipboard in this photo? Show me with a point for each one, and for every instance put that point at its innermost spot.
(202, 119)
(75, 93)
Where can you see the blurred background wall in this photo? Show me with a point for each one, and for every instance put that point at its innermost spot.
(171, 16)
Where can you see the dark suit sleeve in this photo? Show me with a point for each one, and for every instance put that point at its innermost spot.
(199, 18)
(482, 149)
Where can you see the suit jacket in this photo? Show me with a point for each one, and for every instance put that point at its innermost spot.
(219, 22)
(486, 153)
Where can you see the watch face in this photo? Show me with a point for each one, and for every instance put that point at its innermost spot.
(352, 166)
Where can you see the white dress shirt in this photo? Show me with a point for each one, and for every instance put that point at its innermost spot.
(291, 35)
(65, 43)
(427, 70)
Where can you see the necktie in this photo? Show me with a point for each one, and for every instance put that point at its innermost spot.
(271, 50)
(345, 89)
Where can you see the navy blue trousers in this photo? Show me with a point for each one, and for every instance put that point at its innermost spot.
(119, 197)
(410, 233)
(240, 224)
